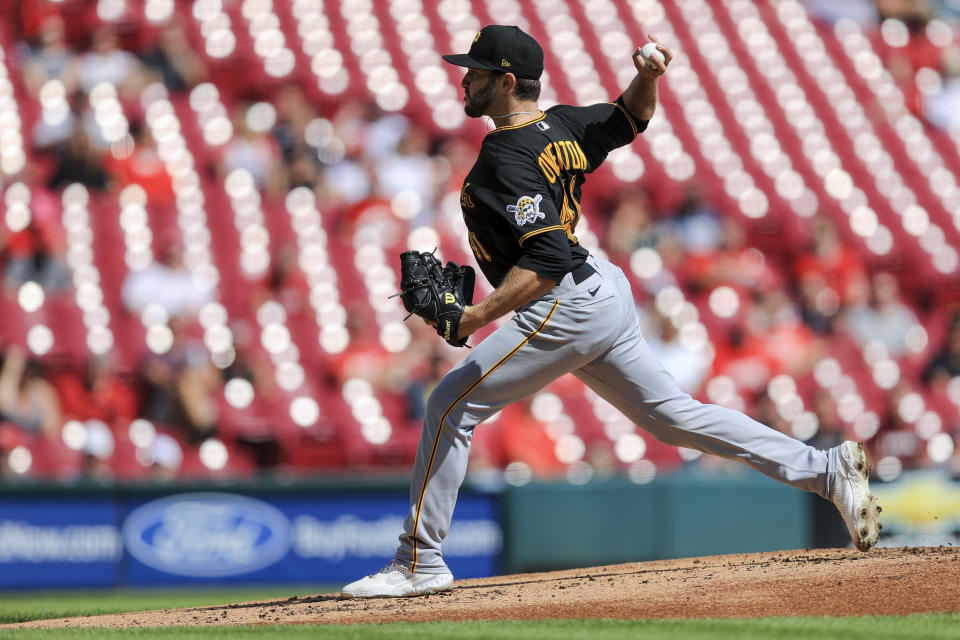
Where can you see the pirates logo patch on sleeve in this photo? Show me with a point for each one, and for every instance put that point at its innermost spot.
(527, 209)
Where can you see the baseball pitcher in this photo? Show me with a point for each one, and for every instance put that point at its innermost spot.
(572, 312)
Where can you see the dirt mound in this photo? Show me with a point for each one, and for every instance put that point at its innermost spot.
(786, 583)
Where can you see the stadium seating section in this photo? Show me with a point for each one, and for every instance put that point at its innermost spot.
(779, 119)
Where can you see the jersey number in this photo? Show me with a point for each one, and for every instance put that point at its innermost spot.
(466, 202)
(570, 209)
(478, 250)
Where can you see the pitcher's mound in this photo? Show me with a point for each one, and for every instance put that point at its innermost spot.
(833, 582)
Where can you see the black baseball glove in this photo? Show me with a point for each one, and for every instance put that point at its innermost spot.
(435, 292)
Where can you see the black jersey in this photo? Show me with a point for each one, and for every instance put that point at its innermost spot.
(521, 200)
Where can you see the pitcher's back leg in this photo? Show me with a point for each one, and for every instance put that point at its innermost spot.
(631, 378)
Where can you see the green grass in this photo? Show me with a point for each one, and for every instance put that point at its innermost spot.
(41, 605)
(920, 627)
(58, 604)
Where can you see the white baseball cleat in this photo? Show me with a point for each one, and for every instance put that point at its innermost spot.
(396, 581)
(852, 495)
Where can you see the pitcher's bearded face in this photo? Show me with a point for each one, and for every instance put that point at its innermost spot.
(478, 92)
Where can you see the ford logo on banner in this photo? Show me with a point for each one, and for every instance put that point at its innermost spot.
(207, 535)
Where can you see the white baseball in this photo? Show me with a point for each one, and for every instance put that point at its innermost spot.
(650, 53)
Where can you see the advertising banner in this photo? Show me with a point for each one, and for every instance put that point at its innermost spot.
(53, 542)
(919, 509)
(273, 537)
(214, 537)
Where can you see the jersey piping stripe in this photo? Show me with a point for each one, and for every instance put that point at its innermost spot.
(443, 419)
(633, 125)
(522, 124)
(539, 231)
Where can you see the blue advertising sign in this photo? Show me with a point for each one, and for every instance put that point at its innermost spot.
(349, 539)
(206, 535)
(328, 538)
(54, 542)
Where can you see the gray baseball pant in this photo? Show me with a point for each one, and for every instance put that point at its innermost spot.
(591, 329)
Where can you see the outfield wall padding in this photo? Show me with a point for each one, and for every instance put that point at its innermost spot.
(330, 530)
(553, 526)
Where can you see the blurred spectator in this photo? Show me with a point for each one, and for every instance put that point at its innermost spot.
(602, 457)
(249, 364)
(515, 436)
(423, 376)
(352, 123)
(27, 399)
(773, 322)
(173, 60)
(142, 166)
(688, 366)
(9, 439)
(303, 170)
(34, 15)
(364, 357)
(251, 149)
(95, 391)
(899, 437)
(942, 107)
(913, 60)
(732, 263)
(384, 134)
(409, 170)
(830, 429)
(287, 281)
(946, 8)
(819, 304)
(347, 179)
(50, 58)
(294, 115)
(165, 282)
(179, 387)
(98, 447)
(632, 226)
(881, 315)
(35, 252)
(106, 62)
(54, 129)
(743, 359)
(344, 183)
(765, 411)
(945, 363)
(416, 370)
(80, 162)
(164, 457)
(912, 12)
(830, 264)
(372, 221)
(458, 155)
(863, 12)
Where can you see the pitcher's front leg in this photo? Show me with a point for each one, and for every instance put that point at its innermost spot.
(515, 361)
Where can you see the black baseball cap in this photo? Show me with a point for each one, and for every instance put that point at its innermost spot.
(499, 47)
